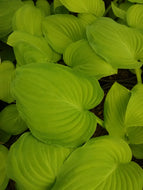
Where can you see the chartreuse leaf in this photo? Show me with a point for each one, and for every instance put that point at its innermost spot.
(64, 97)
(135, 16)
(29, 48)
(7, 10)
(10, 121)
(86, 18)
(62, 29)
(31, 14)
(44, 6)
(28, 2)
(81, 57)
(118, 11)
(59, 8)
(104, 163)
(137, 150)
(136, 1)
(6, 74)
(118, 44)
(3, 160)
(83, 6)
(33, 164)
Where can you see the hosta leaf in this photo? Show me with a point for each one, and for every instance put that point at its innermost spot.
(29, 48)
(86, 18)
(83, 6)
(3, 174)
(81, 57)
(6, 73)
(134, 16)
(119, 45)
(7, 10)
(136, 1)
(33, 164)
(134, 112)
(10, 121)
(4, 137)
(135, 135)
(118, 11)
(104, 163)
(62, 29)
(137, 150)
(59, 8)
(64, 98)
(115, 108)
(31, 14)
(44, 6)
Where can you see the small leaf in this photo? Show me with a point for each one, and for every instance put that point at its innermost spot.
(135, 16)
(33, 164)
(119, 45)
(62, 29)
(81, 57)
(6, 74)
(10, 121)
(118, 11)
(3, 160)
(64, 97)
(44, 6)
(31, 14)
(104, 163)
(83, 6)
(29, 48)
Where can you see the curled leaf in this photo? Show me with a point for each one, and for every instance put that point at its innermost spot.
(60, 30)
(33, 164)
(55, 102)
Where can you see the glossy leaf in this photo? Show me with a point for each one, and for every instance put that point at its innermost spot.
(7, 10)
(135, 16)
(31, 14)
(44, 6)
(81, 57)
(104, 163)
(29, 48)
(118, 11)
(60, 30)
(33, 164)
(83, 6)
(3, 160)
(6, 74)
(54, 101)
(119, 45)
(10, 121)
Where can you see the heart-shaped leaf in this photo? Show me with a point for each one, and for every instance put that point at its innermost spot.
(54, 101)
(104, 163)
(33, 164)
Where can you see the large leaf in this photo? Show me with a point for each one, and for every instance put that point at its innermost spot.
(33, 164)
(134, 16)
(81, 57)
(3, 162)
(62, 29)
(10, 121)
(31, 14)
(54, 101)
(104, 163)
(83, 6)
(119, 45)
(6, 74)
(7, 10)
(29, 48)
(86, 18)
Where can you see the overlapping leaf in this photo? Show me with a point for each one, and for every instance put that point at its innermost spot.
(33, 164)
(83, 6)
(86, 18)
(81, 57)
(104, 163)
(118, 11)
(31, 14)
(7, 10)
(136, 1)
(135, 16)
(62, 29)
(6, 74)
(29, 48)
(4, 137)
(10, 121)
(54, 101)
(119, 45)
(3, 160)
(44, 6)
